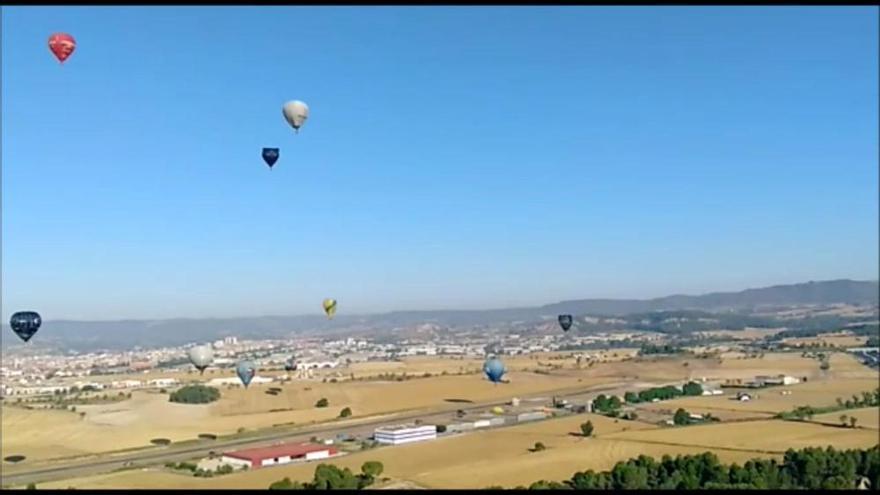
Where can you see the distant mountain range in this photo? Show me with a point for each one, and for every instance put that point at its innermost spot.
(126, 334)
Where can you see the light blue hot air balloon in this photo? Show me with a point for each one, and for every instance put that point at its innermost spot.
(494, 370)
(246, 370)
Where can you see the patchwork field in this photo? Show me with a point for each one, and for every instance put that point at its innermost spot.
(868, 417)
(771, 401)
(498, 457)
(40, 434)
(833, 340)
(501, 457)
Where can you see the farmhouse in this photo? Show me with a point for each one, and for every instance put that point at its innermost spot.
(276, 455)
(396, 435)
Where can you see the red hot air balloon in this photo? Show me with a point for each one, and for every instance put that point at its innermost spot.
(62, 46)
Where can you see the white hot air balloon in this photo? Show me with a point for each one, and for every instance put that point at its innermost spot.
(201, 357)
(296, 113)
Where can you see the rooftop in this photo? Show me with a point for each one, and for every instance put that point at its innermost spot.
(292, 450)
(403, 427)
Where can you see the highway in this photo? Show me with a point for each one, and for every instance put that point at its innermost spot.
(111, 462)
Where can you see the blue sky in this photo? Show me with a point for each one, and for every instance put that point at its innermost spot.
(454, 157)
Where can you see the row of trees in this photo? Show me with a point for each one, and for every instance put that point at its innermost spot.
(659, 349)
(330, 477)
(611, 405)
(800, 413)
(810, 468)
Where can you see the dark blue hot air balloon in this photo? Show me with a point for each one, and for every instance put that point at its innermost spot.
(25, 324)
(270, 156)
(565, 322)
(494, 370)
(290, 365)
(246, 370)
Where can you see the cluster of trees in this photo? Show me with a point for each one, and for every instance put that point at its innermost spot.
(663, 393)
(659, 349)
(814, 326)
(682, 418)
(810, 468)
(606, 404)
(199, 472)
(330, 477)
(195, 394)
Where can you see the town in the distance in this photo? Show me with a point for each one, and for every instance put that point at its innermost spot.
(404, 401)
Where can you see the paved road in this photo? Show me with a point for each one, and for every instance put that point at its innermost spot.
(110, 462)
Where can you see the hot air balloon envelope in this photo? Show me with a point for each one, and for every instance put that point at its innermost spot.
(329, 306)
(565, 322)
(246, 370)
(25, 324)
(62, 46)
(201, 357)
(270, 156)
(290, 365)
(494, 370)
(296, 113)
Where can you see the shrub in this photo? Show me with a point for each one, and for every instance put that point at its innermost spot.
(372, 468)
(195, 394)
(587, 429)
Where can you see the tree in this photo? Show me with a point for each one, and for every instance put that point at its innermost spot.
(852, 421)
(286, 484)
(345, 412)
(323, 402)
(631, 397)
(330, 477)
(372, 468)
(681, 417)
(31, 486)
(692, 388)
(587, 428)
(441, 428)
(843, 419)
(538, 447)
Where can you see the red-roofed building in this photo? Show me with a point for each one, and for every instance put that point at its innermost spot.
(277, 454)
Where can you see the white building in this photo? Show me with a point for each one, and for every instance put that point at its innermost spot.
(396, 435)
(163, 382)
(276, 455)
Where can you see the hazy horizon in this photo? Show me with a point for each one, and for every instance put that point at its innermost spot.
(320, 313)
(454, 158)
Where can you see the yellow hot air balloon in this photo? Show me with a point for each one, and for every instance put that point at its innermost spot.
(329, 307)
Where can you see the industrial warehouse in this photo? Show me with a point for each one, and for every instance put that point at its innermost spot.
(276, 455)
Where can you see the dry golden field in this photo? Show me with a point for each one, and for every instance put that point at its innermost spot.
(501, 457)
(747, 334)
(472, 460)
(132, 423)
(770, 436)
(830, 339)
(868, 417)
(40, 434)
